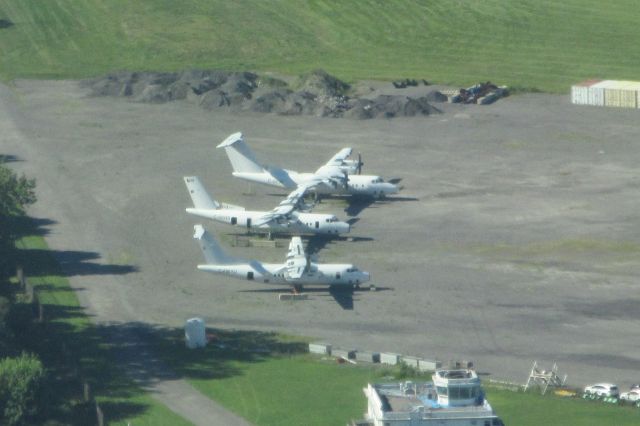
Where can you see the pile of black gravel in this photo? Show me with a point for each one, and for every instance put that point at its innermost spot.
(316, 93)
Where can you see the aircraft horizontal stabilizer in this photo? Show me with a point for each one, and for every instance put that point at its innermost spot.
(230, 140)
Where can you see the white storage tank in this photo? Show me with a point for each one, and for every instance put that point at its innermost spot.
(195, 333)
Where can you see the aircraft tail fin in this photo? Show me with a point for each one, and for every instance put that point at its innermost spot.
(199, 196)
(211, 250)
(242, 158)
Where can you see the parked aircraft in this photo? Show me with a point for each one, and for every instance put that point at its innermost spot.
(335, 177)
(297, 271)
(285, 218)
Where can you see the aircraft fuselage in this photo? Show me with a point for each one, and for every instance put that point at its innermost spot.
(362, 185)
(317, 274)
(298, 223)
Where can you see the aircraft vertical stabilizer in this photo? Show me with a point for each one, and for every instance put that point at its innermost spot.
(199, 196)
(213, 253)
(242, 159)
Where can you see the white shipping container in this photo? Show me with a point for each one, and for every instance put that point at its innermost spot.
(411, 361)
(619, 93)
(367, 356)
(595, 96)
(429, 365)
(580, 92)
(579, 95)
(320, 348)
(389, 358)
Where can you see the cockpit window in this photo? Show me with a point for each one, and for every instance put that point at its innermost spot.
(377, 180)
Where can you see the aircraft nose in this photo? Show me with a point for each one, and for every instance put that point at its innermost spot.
(392, 189)
(365, 276)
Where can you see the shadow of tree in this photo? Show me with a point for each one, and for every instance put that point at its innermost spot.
(5, 23)
(121, 360)
(38, 262)
(25, 225)
(118, 360)
(71, 263)
(8, 158)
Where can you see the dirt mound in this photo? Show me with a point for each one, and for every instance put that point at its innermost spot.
(387, 106)
(316, 93)
(322, 84)
(436, 96)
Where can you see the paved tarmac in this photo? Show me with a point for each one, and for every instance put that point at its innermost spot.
(515, 238)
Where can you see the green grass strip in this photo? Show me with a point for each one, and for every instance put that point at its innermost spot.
(531, 44)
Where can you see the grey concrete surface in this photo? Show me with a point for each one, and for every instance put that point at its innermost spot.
(515, 238)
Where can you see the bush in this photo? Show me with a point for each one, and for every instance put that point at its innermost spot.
(21, 384)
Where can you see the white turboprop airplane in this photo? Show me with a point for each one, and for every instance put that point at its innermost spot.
(286, 218)
(297, 271)
(335, 177)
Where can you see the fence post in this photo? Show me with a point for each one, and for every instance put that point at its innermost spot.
(20, 276)
(40, 311)
(87, 391)
(29, 290)
(99, 415)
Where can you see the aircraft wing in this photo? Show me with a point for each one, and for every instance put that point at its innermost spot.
(332, 173)
(337, 160)
(286, 206)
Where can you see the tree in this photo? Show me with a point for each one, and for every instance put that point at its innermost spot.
(15, 192)
(21, 386)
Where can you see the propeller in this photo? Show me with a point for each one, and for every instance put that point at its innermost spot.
(360, 164)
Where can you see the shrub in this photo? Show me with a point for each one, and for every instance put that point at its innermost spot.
(21, 383)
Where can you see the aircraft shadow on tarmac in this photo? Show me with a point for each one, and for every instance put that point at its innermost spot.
(318, 242)
(355, 205)
(344, 297)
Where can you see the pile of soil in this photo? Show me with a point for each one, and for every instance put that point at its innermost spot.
(316, 93)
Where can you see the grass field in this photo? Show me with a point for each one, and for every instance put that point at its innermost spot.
(534, 44)
(271, 381)
(73, 351)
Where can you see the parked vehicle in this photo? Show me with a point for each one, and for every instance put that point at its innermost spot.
(602, 389)
(631, 396)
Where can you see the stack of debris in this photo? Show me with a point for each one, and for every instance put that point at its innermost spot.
(481, 93)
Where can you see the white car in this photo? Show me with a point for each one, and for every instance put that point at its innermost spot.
(631, 396)
(602, 389)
